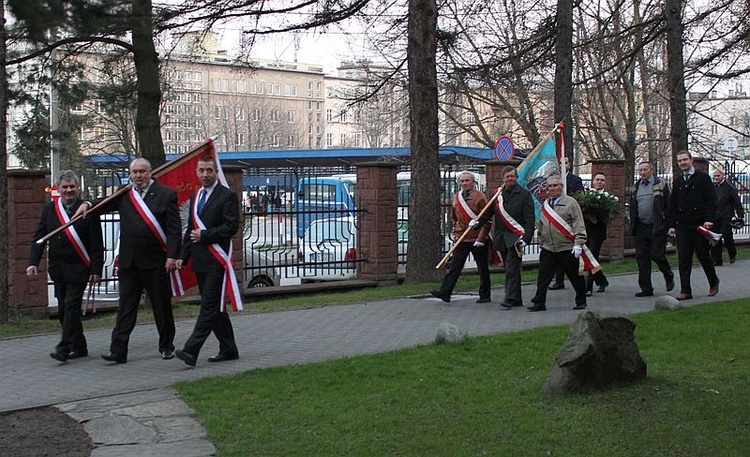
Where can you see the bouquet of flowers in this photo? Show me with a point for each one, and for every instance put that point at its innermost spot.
(598, 205)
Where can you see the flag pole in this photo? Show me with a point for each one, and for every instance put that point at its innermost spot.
(494, 197)
(158, 171)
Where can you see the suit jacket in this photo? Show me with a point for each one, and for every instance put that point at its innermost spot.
(727, 203)
(693, 202)
(139, 247)
(64, 263)
(551, 238)
(519, 203)
(221, 216)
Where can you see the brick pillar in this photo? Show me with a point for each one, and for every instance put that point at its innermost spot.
(377, 243)
(26, 197)
(614, 170)
(494, 174)
(234, 179)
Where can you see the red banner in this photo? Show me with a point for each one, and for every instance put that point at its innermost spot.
(180, 175)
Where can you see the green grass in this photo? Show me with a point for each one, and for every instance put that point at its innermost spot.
(484, 397)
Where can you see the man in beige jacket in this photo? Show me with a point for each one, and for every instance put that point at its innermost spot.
(562, 235)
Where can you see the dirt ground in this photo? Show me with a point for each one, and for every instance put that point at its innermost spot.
(42, 432)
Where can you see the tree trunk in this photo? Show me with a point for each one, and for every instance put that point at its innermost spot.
(147, 121)
(424, 212)
(564, 72)
(676, 82)
(4, 265)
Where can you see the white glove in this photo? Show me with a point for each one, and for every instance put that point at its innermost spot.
(521, 243)
(478, 244)
(577, 251)
(473, 223)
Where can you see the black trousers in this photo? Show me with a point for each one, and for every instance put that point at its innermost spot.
(595, 246)
(132, 283)
(650, 248)
(727, 239)
(211, 319)
(69, 300)
(548, 263)
(689, 242)
(512, 265)
(457, 262)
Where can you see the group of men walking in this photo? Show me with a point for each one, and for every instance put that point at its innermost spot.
(152, 247)
(695, 212)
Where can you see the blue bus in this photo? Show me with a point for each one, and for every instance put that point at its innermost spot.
(324, 197)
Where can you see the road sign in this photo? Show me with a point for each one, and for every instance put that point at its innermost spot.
(504, 148)
(730, 144)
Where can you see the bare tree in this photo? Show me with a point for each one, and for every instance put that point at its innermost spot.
(4, 289)
(424, 214)
(675, 66)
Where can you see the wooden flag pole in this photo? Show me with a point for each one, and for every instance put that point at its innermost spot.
(158, 171)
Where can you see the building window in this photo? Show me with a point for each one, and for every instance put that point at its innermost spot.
(342, 116)
(275, 115)
(275, 140)
(329, 139)
(277, 89)
(342, 140)
(256, 114)
(292, 116)
(239, 139)
(197, 111)
(197, 76)
(239, 113)
(329, 115)
(291, 141)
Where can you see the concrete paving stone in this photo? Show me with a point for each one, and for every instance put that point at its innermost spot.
(177, 429)
(119, 430)
(192, 448)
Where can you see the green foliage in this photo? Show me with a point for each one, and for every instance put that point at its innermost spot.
(484, 397)
(598, 204)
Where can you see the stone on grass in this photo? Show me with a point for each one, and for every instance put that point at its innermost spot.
(667, 302)
(449, 333)
(600, 352)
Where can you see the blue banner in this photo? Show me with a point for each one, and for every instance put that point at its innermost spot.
(535, 169)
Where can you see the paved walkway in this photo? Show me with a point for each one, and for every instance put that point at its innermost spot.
(131, 409)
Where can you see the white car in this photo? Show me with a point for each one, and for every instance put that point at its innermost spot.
(327, 250)
(259, 270)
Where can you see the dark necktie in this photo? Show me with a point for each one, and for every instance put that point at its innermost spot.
(201, 201)
(686, 176)
(552, 202)
(466, 194)
(644, 183)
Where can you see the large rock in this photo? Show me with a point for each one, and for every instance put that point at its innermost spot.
(600, 352)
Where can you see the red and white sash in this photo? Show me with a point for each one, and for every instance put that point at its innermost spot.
(463, 207)
(587, 258)
(148, 217)
(507, 219)
(225, 259)
(70, 232)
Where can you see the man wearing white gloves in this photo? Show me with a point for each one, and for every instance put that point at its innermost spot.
(562, 235)
(467, 204)
(512, 230)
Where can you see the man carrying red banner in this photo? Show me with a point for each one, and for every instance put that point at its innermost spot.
(214, 219)
(562, 235)
(76, 257)
(467, 204)
(149, 247)
(512, 230)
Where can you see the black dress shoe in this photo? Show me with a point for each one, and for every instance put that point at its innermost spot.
(223, 357)
(644, 294)
(78, 354)
(670, 284)
(186, 357)
(440, 295)
(557, 286)
(536, 308)
(112, 357)
(581, 306)
(59, 356)
(510, 305)
(589, 293)
(484, 300)
(732, 259)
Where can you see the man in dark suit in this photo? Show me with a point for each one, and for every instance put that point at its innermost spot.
(727, 205)
(76, 257)
(693, 204)
(149, 246)
(214, 219)
(512, 230)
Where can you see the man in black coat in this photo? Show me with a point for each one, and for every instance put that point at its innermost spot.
(76, 257)
(692, 204)
(149, 246)
(214, 219)
(727, 205)
(512, 230)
